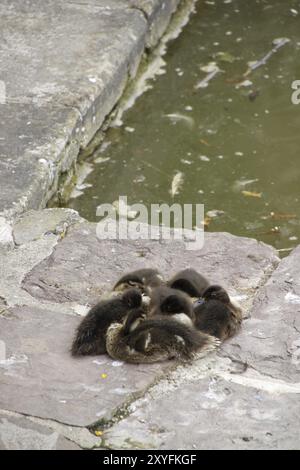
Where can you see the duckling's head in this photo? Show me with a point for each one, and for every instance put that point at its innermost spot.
(135, 283)
(175, 304)
(216, 292)
(132, 298)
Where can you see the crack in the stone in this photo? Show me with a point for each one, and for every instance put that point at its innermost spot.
(27, 415)
(123, 411)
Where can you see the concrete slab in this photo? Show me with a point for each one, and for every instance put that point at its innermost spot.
(246, 398)
(35, 224)
(82, 267)
(19, 433)
(270, 340)
(209, 413)
(40, 378)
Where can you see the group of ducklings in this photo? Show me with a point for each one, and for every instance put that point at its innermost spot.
(148, 319)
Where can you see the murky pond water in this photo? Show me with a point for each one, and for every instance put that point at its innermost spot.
(236, 141)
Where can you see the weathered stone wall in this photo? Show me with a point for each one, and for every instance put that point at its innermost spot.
(64, 66)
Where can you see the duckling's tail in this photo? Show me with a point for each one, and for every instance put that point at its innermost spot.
(207, 344)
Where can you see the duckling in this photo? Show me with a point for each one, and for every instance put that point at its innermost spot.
(90, 338)
(172, 302)
(141, 279)
(216, 314)
(139, 340)
(189, 281)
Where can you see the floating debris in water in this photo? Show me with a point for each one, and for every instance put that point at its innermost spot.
(186, 162)
(177, 183)
(101, 159)
(239, 154)
(204, 158)
(83, 186)
(214, 213)
(224, 57)
(177, 117)
(282, 216)
(83, 170)
(244, 83)
(203, 141)
(239, 184)
(284, 250)
(179, 71)
(210, 67)
(129, 129)
(277, 43)
(294, 12)
(272, 231)
(139, 179)
(212, 70)
(253, 94)
(251, 194)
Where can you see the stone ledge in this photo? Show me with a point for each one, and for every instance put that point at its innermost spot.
(60, 86)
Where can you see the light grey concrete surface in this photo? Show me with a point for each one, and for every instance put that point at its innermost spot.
(63, 67)
(270, 340)
(247, 394)
(19, 433)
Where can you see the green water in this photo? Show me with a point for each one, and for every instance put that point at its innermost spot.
(245, 133)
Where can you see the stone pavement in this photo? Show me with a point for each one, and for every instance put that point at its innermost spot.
(63, 67)
(245, 396)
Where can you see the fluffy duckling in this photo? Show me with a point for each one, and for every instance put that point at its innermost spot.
(190, 282)
(90, 338)
(216, 314)
(172, 302)
(139, 340)
(141, 279)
